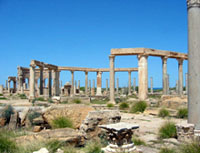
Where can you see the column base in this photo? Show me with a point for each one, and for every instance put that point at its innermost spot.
(112, 102)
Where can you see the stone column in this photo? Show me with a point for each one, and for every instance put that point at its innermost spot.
(1, 89)
(14, 86)
(79, 85)
(49, 82)
(164, 75)
(89, 86)
(99, 83)
(180, 76)
(86, 83)
(129, 83)
(56, 88)
(143, 76)
(41, 81)
(93, 88)
(106, 86)
(168, 86)
(6, 85)
(112, 79)
(75, 87)
(176, 86)
(72, 84)
(117, 86)
(151, 82)
(186, 84)
(194, 62)
(32, 82)
(134, 85)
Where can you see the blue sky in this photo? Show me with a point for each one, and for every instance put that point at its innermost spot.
(82, 33)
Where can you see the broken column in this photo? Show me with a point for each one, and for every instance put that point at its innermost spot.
(180, 76)
(32, 81)
(112, 79)
(99, 83)
(194, 62)
(164, 67)
(86, 83)
(143, 76)
(129, 83)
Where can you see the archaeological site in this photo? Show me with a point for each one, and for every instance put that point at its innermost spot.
(42, 113)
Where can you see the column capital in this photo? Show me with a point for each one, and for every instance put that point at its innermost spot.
(180, 60)
(72, 71)
(111, 56)
(164, 58)
(86, 72)
(142, 55)
(129, 72)
(193, 3)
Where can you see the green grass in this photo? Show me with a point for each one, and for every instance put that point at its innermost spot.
(138, 107)
(50, 100)
(64, 102)
(168, 130)
(3, 98)
(193, 147)
(7, 112)
(167, 150)
(109, 105)
(123, 105)
(96, 101)
(93, 147)
(61, 122)
(40, 99)
(1, 94)
(182, 113)
(138, 141)
(77, 101)
(33, 115)
(22, 96)
(163, 113)
(154, 96)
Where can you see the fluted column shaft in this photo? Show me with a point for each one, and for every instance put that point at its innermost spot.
(164, 75)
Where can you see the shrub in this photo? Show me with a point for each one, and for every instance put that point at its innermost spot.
(50, 100)
(32, 116)
(64, 102)
(1, 94)
(77, 101)
(40, 99)
(22, 96)
(168, 130)
(53, 145)
(93, 147)
(110, 105)
(182, 113)
(7, 112)
(138, 107)
(138, 141)
(193, 147)
(62, 122)
(124, 105)
(6, 144)
(3, 98)
(167, 150)
(163, 113)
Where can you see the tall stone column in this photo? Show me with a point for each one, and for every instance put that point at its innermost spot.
(168, 85)
(117, 86)
(99, 83)
(32, 82)
(79, 85)
(106, 85)
(176, 86)
(93, 88)
(75, 87)
(186, 84)
(8, 86)
(151, 82)
(143, 76)
(72, 84)
(41, 81)
(194, 62)
(129, 83)
(86, 83)
(112, 79)
(164, 75)
(89, 86)
(134, 85)
(49, 82)
(14, 86)
(180, 76)
(56, 88)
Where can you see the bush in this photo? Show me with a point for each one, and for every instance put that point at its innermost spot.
(22, 96)
(163, 113)
(53, 145)
(139, 107)
(123, 105)
(93, 147)
(77, 101)
(138, 141)
(182, 113)
(110, 105)
(193, 147)
(62, 122)
(168, 130)
(50, 100)
(32, 116)
(167, 150)
(6, 144)
(3, 98)
(7, 112)
(40, 99)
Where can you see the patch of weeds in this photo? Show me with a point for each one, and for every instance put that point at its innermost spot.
(96, 101)
(182, 113)
(53, 145)
(138, 141)
(123, 105)
(50, 100)
(93, 147)
(1, 94)
(77, 101)
(109, 105)
(22, 96)
(168, 130)
(139, 107)
(33, 115)
(64, 102)
(40, 99)
(154, 96)
(3, 98)
(163, 113)
(7, 112)
(61, 122)
(33, 102)
(193, 147)
(133, 96)
(167, 150)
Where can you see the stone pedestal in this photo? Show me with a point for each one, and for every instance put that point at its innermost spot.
(185, 132)
(119, 137)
